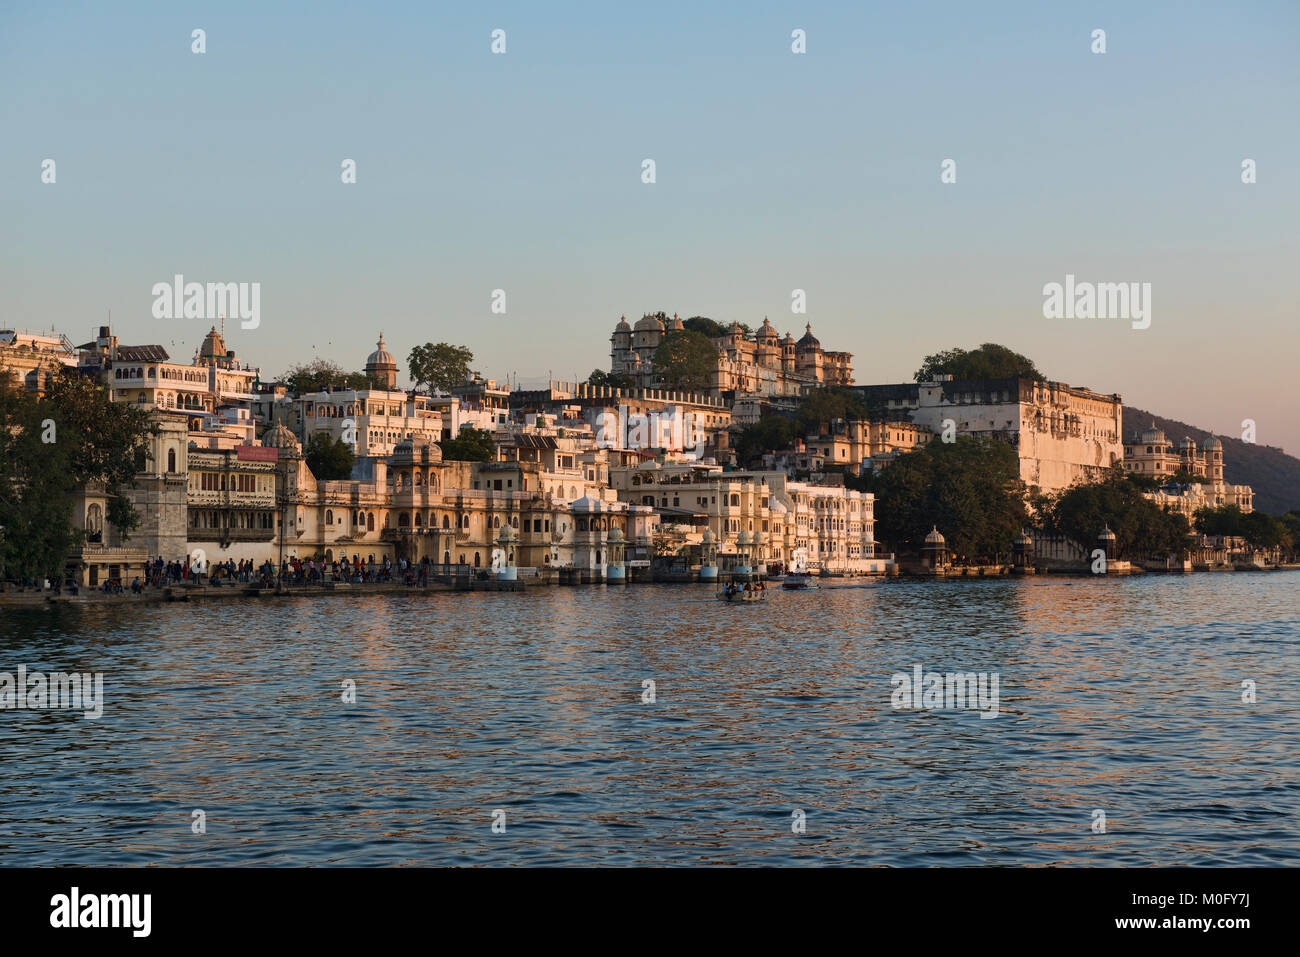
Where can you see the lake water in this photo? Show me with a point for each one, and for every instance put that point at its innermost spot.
(1122, 696)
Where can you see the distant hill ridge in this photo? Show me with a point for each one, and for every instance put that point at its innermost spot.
(1274, 475)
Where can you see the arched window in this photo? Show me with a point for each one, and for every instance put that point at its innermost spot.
(496, 521)
(419, 520)
(370, 522)
(446, 558)
(171, 460)
(403, 519)
(445, 522)
(95, 524)
(477, 560)
(419, 479)
(329, 516)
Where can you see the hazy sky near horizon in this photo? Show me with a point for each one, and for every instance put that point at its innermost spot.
(775, 171)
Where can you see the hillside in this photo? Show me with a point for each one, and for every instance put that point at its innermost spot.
(1274, 475)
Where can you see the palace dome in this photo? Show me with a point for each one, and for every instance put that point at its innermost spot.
(622, 325)
(676, 325)
(1186, 443)
(1212, 444)
(808, 340)
(1153, 436)
(935, 537)
(381, 357)
(279, 437)
(649, 323)
(418, 450)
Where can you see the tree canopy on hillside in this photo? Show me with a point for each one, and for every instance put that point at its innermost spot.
(610, 380)
(686, 360)
(321, 374)
(989, 361)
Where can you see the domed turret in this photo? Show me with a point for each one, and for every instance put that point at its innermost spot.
(279, 437)
(676, 325)
(1153, 436)
(411, 450)
(648, 323)
(935, 537)
(1212, 444)
(381, 366)
(623, 325)
(807, 340)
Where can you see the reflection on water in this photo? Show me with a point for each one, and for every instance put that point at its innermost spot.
(1123, 695)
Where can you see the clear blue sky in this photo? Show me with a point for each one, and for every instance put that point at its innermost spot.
(775, 171)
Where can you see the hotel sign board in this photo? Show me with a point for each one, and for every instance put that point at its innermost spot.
(255, 453)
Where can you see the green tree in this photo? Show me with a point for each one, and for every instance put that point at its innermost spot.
(1226, 520)
(471, 445)
(52, 446)
(329, 459)
(771, 433)
(439, 365)
(610, 380)
(321, 374)
(970, 489)
(824, 405)
(1141, 527)
(686, 360)
(989, 361)
(705, 326)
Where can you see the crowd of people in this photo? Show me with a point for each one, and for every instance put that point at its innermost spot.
(750, 588)
(160, 573)
(297, 571)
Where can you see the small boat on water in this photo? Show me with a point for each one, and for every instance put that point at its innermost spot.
(796, 575)
(740, 596)
(799, 580)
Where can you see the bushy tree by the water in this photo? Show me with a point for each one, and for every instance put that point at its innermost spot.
(1257, 528)
(51, 446)
(970, 489)
(1141, 527)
